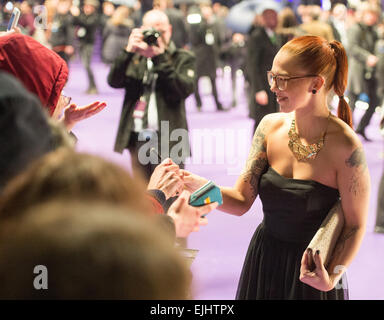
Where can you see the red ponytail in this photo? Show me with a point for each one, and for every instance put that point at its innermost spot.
(340, 82)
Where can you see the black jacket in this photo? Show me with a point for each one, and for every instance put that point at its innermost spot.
(361, 44)
(62, 31)
(260, 54)
(207, 55)
(175, 69)
(88, 25)
(179, 29)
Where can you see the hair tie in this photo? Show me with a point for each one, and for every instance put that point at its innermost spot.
(341, 97)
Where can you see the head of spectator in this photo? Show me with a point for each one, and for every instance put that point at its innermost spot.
(25, 133)
(90, 6)
(369, 14)
(160, 4)
(207, 11)
(158, 20)
(48, 76)
(64, 6)
(88, 251)
(26, 7)
(287, 18)
(323, 64)
(108, 8)
(311, 13)
(339, 12)
(268, 12)
(65, 174)
(120, 16)
(216, 7)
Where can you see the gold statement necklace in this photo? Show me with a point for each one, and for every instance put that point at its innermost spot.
(304, 152)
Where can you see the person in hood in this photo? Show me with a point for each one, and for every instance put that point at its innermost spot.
(25, 133)
(45, 74)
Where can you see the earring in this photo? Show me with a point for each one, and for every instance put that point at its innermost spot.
(314, 91)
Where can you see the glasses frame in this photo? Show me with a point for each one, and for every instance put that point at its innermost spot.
(285, 79)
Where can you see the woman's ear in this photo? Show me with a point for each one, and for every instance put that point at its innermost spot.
(317, 83)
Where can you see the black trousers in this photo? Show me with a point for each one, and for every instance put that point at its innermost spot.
(214, 92)
(86, 51)
(371, 86)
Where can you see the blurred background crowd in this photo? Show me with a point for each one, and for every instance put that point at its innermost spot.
(240, 36)
(221, 34)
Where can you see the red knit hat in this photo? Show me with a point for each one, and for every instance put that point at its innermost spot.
(40, 69)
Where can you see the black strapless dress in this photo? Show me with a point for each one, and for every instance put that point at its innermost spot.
(293, 211)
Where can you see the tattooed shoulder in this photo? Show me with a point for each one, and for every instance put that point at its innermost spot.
(357, 162)
(357, 159)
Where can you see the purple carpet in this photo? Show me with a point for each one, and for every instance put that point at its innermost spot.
(220, 156)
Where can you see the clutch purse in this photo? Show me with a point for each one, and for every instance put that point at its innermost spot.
(208, 193)
(327, 235)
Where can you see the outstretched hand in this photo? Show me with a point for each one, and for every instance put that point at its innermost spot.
(319, 277)
(192, 181)
(186, 217)
(167, 178)
(74, 113)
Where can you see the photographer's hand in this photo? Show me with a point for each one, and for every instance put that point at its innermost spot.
(135, 41)
(137, 45)
(155, 50)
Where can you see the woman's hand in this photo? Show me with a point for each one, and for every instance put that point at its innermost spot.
(167, 178)
(74, 114)
(318, 278)
(186, 217)
(192, 182)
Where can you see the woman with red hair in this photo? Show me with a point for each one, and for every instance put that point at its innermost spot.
(302, 160)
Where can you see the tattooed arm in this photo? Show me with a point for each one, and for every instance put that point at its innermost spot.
(239, 199)
(354, 186)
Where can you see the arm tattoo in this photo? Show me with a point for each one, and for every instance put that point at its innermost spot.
(341, 241)
(257, 160)
(356, 159)
(358, 163)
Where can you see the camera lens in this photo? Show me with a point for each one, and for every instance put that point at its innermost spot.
(151, 36)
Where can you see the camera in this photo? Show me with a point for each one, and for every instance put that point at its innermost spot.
(151, 36)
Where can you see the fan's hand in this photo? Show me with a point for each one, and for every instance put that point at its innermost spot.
(74, 114)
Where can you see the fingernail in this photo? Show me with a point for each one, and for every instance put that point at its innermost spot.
(317, 251)
(309, 250)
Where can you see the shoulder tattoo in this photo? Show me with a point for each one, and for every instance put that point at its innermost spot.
(356, 159)
(358, 164)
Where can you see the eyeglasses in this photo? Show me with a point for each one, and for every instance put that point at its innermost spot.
(282, 81)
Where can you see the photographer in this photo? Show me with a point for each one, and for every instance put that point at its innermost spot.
(157, 79)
